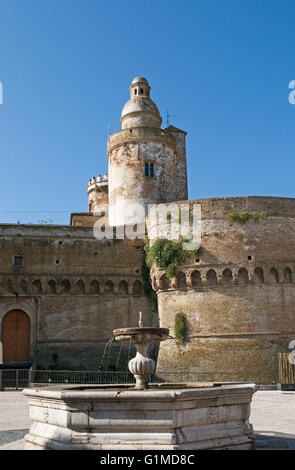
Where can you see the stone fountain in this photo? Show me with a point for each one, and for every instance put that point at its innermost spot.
(183, 416)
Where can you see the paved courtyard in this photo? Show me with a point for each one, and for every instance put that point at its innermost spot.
(272, 416)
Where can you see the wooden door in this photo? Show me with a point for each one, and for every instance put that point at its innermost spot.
(16, 336)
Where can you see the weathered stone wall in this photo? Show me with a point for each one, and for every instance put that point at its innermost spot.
(181, 169)
(127, 153)
(76, 290)
(238, 295)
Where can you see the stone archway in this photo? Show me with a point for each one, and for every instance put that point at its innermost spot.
(16, 332)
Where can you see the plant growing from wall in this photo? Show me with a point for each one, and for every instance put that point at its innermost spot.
(167, 254)
(243, 216)
(54, 362)
(239, 236)
(45, 222)
(257, 216)
(239, 217)
(180, 328)
(182, 215)
(147, 285)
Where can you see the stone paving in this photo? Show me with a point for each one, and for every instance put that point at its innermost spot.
(273, 419)
(272, 416)
(14, 420)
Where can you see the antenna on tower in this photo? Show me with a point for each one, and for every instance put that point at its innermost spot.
(169, 116)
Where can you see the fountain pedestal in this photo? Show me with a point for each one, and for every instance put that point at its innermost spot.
(141, 366)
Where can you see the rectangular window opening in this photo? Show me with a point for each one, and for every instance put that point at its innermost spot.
(149, 170)
(152, 172)
(18, 261)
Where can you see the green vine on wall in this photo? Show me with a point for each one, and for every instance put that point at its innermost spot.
(243, 216)
(180, 328)
(147, 285)
(167, 254)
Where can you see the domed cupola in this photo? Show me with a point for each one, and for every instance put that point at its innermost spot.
(140, 110)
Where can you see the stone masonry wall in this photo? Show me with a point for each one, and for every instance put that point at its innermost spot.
(75, 289)
(238, 295)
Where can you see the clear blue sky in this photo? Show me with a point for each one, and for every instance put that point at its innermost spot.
(222, 66)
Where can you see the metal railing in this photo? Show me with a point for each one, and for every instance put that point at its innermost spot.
(14, 378)
(21, 378)
(80, 377)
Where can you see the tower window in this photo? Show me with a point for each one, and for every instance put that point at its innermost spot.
(18, 261)
(135, 91)
(141, 90)
(149, 170)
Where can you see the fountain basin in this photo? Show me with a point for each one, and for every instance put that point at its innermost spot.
(167, 416)
(141, 335)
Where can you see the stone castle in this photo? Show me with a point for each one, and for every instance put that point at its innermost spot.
(63, 290)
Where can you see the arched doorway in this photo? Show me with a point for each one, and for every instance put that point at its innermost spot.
(16, 328)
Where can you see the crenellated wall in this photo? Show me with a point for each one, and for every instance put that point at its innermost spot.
(238, 295)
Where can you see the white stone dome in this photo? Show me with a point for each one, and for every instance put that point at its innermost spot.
(139, 80)
(140, 110)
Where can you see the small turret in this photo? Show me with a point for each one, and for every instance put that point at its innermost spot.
(98, 194)
(139, 87)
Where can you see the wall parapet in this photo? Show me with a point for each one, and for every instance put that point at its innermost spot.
(69, 285)
(208, 276)
(216, 208)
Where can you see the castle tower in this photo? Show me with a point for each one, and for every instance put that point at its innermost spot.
(98, 194)
(147, 164)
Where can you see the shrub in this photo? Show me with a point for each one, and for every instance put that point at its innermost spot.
(54, 362)
(180, 328)
(239, 236)
(257, 216)
(167, 254)
(243, 216)
(239, 217)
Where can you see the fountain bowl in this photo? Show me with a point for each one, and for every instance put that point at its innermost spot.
(141, 335)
